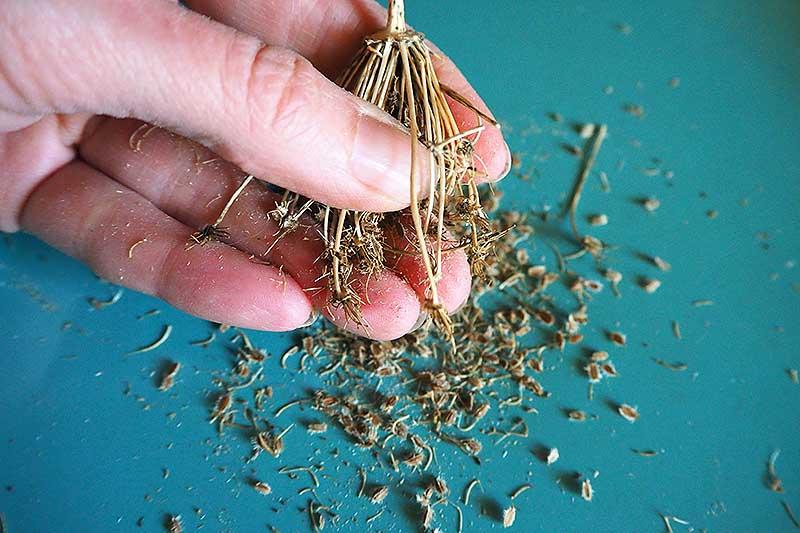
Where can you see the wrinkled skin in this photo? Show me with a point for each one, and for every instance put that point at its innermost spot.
(235, 87)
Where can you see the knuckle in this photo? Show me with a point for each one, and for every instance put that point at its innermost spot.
(278, 89)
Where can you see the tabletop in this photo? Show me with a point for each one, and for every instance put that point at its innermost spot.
(702, 105)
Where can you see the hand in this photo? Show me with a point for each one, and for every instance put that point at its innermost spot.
(81, 167)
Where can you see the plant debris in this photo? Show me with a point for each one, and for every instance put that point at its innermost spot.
(509, 515)
(587, 492)
(155, 344)
(628, 412)
(168, 379)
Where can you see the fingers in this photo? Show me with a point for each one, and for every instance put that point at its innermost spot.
(264, 108)
(191, 184)
(127, 240)
(329, 32)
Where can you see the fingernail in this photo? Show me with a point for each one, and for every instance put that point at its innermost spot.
(313, 318)
(509, 162)
(381, 162)
(423, 317)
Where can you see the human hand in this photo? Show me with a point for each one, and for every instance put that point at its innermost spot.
(82, 168)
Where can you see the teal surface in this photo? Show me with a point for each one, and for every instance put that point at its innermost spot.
(85, 436)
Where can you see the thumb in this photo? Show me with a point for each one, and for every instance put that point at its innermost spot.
(264, 108)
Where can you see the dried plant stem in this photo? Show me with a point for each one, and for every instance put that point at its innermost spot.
(588, 163)
(232, 199)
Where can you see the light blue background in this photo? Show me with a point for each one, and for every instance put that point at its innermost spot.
(76, 454)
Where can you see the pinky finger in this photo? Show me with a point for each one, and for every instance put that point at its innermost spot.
(124, 238)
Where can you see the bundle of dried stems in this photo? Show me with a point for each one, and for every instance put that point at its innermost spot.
(394, 70)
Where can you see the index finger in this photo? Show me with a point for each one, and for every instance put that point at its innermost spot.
(329, 32)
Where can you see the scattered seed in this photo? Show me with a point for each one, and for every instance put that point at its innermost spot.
(674, 82)
(651, 204)
(587, 492)
(618, 338)
(161, 340)
(661, 264)
(635, 110)
(702, 303)
(593, 371)
(317, 427)
(379, 494)
(100, 304)
(168, 379)
(628, 412)
(598, 220)
(585, 131)
(676, 329)
(509, 515)
(262, 488)
(677, 367)
(645, 453)
(577, 416)
(650, 285)
(599, 356)
(794, 376)
(712, 214)
(552, 456)
(520, 490)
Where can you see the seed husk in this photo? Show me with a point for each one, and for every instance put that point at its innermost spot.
(509, 515)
